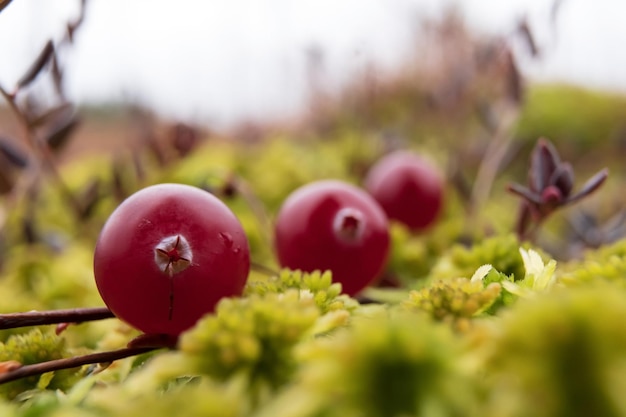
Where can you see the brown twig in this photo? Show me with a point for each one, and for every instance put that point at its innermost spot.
(69, 363)
(38, 318)
(41, 151)
(4, 3)
(490, 165)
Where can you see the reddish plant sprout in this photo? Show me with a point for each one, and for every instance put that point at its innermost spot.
(550, 185)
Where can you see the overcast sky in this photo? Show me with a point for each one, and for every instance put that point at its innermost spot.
(222, 60)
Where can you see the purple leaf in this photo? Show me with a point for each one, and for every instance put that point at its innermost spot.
(13, 154)
(61, 131)
(544, 160)
(525, 193)
(528, 37)
(590, 186)
(61, 111)
(615, 222)
(44, 56)
(563, 178)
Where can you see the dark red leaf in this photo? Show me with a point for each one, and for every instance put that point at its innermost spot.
(61, 132)
(525, 193)
(62, 111)
(544, 160)
(590, 186)
(563, 178)
(89, 197)
(12, 154)
(61, 327)
(9, 366)
(57, 76)
(41, 60)
(528, 37)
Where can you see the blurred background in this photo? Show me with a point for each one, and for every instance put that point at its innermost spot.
(224, 62)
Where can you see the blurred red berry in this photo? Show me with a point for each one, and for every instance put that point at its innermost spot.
(332, 225)
(408, 188)
(167, 255)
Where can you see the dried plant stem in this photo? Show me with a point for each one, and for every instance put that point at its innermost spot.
(38, 318)
(41, 151)
(4, 4)
(490, 165)
(21, 118)
(69, 363)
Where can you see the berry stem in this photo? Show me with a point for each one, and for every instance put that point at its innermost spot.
(68, 363)
(37, 318)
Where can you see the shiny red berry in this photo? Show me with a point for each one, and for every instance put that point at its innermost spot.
(167, 255)
(337, 226)
(408, 187)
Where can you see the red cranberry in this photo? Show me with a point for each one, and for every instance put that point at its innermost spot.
(408, 187)
(337, 226)
(167, 255)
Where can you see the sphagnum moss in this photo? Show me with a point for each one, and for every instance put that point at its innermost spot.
(390, 364)
(319, 285)
(253, 335)
(562, 353)
(30, 348)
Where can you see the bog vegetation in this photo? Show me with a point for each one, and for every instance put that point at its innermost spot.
(509, 303)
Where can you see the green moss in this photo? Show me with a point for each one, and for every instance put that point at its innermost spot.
(386, 365)
(562, 354)
(501, 252)
(455, 300)
(326, 294)
(193, 399)
(571, 115)
(606, 264)
(30, 348)
(254, 336)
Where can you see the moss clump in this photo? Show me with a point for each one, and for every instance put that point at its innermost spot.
(398, 364)
(326, 294)
(501, 252)
(455, 301)
(254, 336)
(597, 267)
(35, 347)
(560, 354)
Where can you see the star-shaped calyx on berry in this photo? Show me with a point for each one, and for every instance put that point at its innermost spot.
(550, 185)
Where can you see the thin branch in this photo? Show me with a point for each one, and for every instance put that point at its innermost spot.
(38, 318)
(40, 150)
(69, 363)
(35, 69)
(490, 165)
(4, 3)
